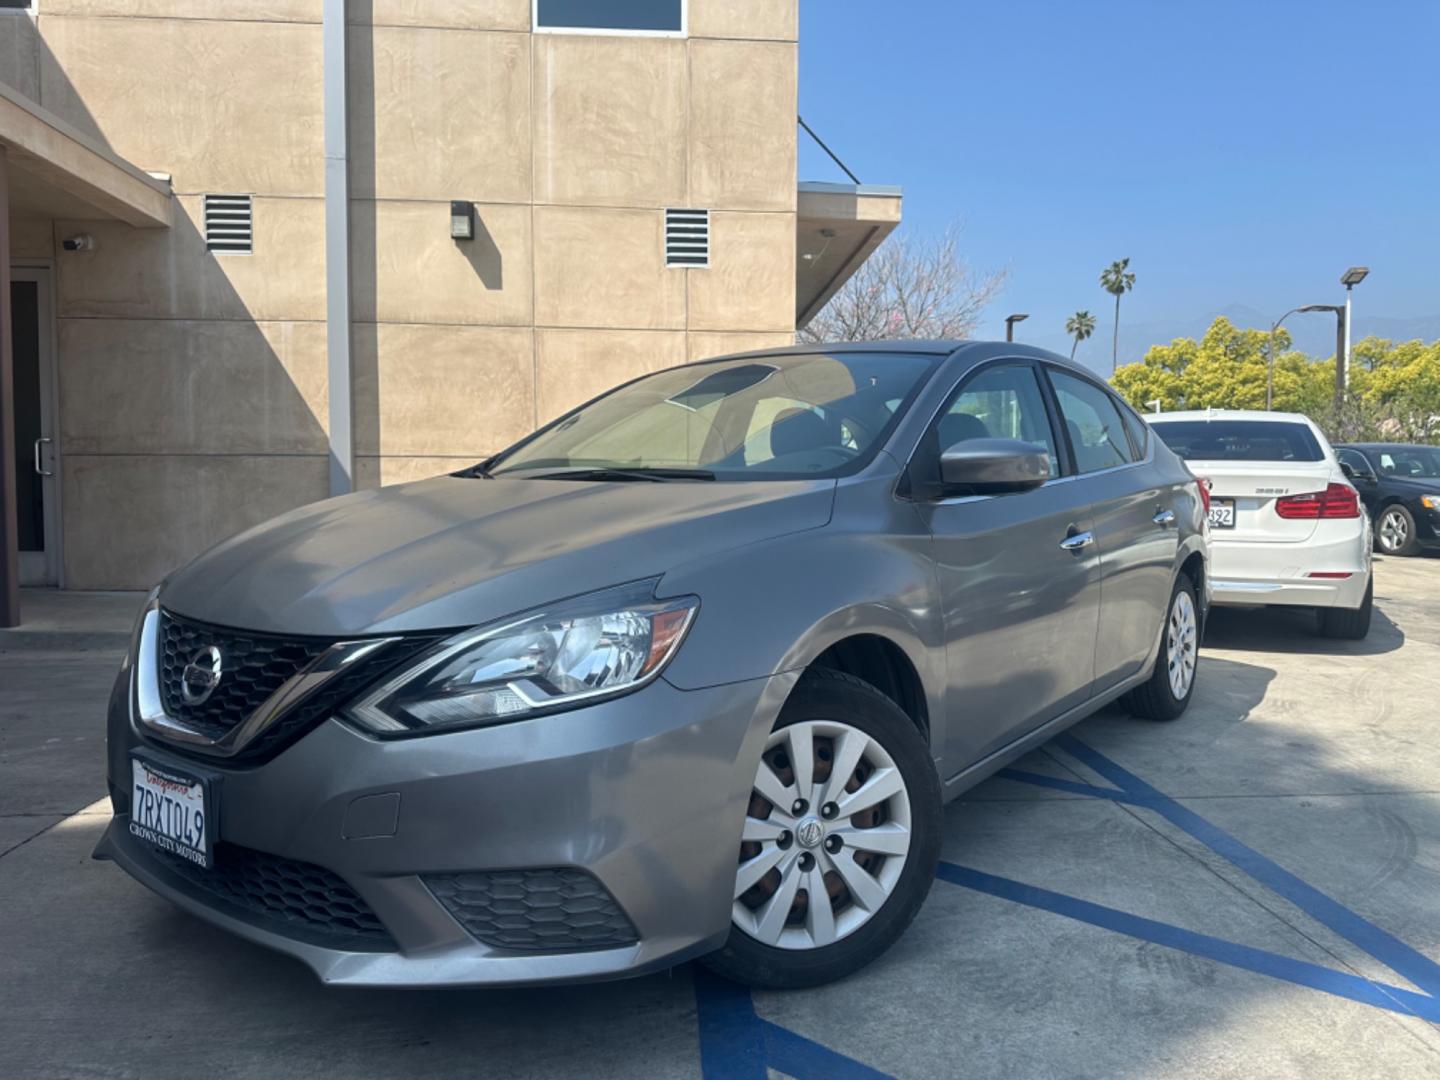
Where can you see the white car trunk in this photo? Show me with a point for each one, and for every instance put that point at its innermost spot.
(1254, 487)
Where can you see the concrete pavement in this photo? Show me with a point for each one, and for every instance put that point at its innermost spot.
(1250, 891)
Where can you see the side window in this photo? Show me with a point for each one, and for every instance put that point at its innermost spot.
(1356, 461)
(1137, 429)
(1001, 402)
(613, 16)
(1092, 420)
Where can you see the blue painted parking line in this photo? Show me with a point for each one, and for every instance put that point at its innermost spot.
(736, 1044)
(1383, 946)
(1315, 976)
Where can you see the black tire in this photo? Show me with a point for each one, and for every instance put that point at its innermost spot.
(1350, 624)
(1154, 699)
(823, 694)
(1405, 521)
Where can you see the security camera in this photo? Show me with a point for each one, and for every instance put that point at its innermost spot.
(83, 242)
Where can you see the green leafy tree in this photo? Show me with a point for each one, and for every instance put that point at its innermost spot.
(1394, 388)
(1117, 279)
(1079, 326)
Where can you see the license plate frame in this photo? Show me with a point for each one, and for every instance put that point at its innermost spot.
(1222, 513)
(164, 801)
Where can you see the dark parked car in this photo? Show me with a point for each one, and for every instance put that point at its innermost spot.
(1400, 486)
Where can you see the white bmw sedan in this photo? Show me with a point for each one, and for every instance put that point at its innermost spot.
(1286, 526)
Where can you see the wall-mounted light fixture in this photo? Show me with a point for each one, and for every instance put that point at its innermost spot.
(462, 220)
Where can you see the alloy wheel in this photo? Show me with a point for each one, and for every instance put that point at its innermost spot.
(826, 836)
(1394, 531)
(1180, 645)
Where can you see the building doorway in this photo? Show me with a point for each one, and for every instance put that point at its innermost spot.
(36, 458)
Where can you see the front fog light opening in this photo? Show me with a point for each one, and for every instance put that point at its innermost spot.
(600, 646)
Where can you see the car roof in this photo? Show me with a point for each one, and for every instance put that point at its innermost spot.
(1229, 414)
(930, 347)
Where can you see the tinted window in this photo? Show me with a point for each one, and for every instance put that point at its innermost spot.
(1240, 440)
(1093, 422)
(1416, 462)
(653, 15)
(782, 417)
(1137, 429)
(1356, 461)
(999, 403)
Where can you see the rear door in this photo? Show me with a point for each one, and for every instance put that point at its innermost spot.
(1250, 465)
(1133, 510)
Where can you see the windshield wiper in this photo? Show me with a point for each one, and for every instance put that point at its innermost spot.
(657, 475)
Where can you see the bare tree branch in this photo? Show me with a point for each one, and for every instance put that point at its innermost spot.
(908, 289)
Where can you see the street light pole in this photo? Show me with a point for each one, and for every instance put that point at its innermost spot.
(1270, 346)
(1349, 279)
(1010, 321)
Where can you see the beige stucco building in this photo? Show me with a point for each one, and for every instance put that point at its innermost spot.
(186, 377)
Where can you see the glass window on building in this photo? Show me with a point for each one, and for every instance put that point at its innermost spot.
(625, 16)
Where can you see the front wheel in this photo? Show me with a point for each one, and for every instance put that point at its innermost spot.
(1395, 532)
(841, 838)
(1166, 694)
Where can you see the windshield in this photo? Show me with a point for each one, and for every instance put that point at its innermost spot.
(771, 418)
(1239, 440)
(1414, 462)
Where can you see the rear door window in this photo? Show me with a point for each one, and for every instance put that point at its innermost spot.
(1240, 440)
(1093, 422)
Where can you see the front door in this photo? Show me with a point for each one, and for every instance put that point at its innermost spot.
(1020, 609)
(35, 458)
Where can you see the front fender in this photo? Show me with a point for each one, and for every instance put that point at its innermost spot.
(775, 606)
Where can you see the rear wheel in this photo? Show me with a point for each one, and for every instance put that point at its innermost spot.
(1351, 624)
(1166, 694)
(1395, 532)
(840, 841)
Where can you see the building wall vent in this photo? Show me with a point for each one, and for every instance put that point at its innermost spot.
(228, 224)
(687, 237)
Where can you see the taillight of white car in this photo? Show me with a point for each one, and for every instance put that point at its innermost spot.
(1336, 501)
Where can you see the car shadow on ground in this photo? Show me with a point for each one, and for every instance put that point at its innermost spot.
(1294, 630)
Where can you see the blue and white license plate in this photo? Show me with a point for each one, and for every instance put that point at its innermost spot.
(171, 810)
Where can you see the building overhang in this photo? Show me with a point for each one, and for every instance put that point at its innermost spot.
(837, 227)
(59, 172)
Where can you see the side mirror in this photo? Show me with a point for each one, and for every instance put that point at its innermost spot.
(994, 466)
(1347, 470)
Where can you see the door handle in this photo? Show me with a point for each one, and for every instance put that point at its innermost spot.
(39, 469)
(1164, 518)
(1077, 541)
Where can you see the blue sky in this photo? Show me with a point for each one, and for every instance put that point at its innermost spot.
(1242, 154)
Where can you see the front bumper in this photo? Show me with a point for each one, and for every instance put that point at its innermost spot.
(646, 793)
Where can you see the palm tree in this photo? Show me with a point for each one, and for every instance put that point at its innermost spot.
(1117, 281)
(1079, 326)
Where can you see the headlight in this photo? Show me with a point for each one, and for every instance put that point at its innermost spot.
(1430, 502)
(596, 646)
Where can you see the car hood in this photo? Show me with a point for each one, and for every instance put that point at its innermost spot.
(452, 551)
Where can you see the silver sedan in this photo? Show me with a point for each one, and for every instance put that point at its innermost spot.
(688, 672)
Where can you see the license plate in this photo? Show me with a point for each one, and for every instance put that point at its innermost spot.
(1222, 513)
(172, 810)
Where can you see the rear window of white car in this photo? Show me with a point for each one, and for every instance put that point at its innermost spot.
(1239, 440)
